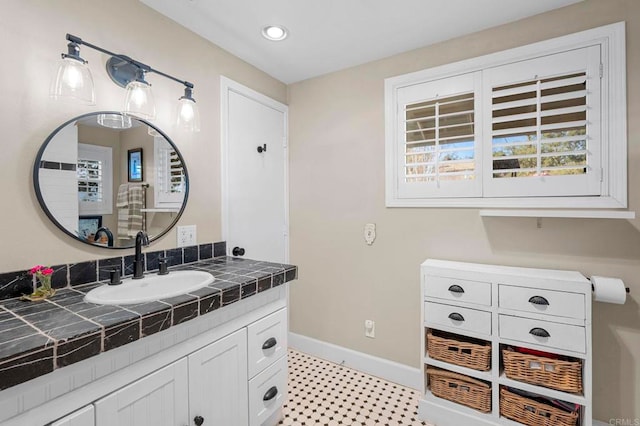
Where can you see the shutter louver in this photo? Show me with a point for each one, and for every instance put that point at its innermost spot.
(539, 127)
(90, 181)
(440, 139)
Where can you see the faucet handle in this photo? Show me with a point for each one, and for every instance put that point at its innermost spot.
(162, 266)
(114, 277)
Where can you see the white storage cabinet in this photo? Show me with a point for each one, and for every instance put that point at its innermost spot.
(504, 306)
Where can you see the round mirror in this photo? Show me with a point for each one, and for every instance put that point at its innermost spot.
(104, 176)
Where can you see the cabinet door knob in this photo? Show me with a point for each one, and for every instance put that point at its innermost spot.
(456, 289)
(270, 394)
(198, 420)
(540, 332)
(269, 343)
(539, 300)
(456, 316)
(238, 251)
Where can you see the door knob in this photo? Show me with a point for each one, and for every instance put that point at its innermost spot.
(198, 420)
(262, 148)
(238, 251)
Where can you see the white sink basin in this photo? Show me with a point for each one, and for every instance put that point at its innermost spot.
(151, 287)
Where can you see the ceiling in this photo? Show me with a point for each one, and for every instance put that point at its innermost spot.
(331, 35)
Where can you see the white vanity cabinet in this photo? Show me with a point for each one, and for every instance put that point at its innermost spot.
(209, 385)
(228, 367)
(525, 310)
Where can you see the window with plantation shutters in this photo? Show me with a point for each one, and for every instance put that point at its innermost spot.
(170, 176)
(540, 126)
(439, 134)
(542, 123)
(95, 179)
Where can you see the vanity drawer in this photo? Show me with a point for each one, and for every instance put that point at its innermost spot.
(544, 333)
(266, 341)
(556, 303)
(267, 392)
(478, 292)
(473, 320)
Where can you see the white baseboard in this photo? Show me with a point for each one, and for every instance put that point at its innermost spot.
(388, 370)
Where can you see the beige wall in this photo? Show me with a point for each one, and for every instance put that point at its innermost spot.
(337, 185)
(32, 37)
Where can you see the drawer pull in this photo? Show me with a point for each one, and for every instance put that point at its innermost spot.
(540, 332)
(269, 343)
(270, 394)
(198, 420)
(456, 289)
(456, 316)
(539, 300)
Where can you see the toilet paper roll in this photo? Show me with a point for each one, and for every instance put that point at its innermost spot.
(609, 290)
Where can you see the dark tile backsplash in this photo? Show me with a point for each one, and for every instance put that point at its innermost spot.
(15, 284)
(220, 249)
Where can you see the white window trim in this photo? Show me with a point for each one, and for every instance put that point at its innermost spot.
(614, 124)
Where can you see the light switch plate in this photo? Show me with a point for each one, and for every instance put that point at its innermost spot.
(187, 235)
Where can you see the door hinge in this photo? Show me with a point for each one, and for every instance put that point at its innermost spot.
(601, 174)
(601, 69)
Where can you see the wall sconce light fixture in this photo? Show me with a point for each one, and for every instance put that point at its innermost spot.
(73, 81)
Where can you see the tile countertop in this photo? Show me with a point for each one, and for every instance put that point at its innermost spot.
(39, 337)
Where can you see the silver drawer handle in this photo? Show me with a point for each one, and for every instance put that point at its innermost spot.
(456, 316)
(539, 332)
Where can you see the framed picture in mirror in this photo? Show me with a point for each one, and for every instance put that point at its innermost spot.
(88, 225)
(134, 157)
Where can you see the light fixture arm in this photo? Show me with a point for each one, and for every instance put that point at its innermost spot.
(74, 40)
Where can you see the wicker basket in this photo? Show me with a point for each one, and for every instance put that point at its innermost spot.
(471, 353)
(460, 388)
(552, 373)
(533, 413)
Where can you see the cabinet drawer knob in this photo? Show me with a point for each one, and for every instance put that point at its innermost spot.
(539, 300)
(540, 332)
(198, 420)
(270, 394)
(456, 289)
(456, 316)
(269, 343)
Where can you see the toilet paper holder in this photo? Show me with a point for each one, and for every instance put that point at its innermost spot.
(627, 289)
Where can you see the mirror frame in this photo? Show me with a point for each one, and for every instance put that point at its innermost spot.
(38, 193)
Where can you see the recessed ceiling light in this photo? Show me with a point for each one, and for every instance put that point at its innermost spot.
(274, 32)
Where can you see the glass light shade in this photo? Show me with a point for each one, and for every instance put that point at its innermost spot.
(187, 115)
(139, 100)
(114, 121)
(73, 81)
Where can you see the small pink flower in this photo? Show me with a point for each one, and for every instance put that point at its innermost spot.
(35, 269)
(46, 271)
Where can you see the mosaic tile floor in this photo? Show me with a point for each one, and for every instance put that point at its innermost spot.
(324, 393)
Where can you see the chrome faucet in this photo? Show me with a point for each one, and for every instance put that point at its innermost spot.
(107, 232)
(142, 239)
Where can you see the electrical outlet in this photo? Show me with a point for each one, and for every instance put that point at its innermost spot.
(186, 235)
(370, 328)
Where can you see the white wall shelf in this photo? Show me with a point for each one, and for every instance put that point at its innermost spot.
(585, 214)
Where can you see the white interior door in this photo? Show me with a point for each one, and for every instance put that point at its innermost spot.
(254, 197)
